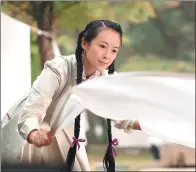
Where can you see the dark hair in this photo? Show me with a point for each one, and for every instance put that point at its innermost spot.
(89, 33)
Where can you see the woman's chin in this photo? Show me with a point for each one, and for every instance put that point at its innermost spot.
(101, 68)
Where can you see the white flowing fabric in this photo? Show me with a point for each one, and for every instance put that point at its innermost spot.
(15, 61)
(163, 103)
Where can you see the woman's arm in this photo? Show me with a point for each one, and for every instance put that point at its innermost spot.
(40, 96)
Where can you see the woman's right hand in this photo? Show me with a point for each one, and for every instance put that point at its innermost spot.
(41, 137)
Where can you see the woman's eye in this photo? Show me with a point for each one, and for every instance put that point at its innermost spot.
(102, 46)
(114, 51)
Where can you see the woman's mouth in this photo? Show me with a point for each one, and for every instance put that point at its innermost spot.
(102, 62)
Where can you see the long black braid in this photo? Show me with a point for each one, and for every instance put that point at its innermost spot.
(108, 161)
(72, 151)
(90, 32)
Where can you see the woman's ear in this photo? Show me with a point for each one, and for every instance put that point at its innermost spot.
(83, 44)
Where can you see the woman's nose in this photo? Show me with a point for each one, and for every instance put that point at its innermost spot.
(107, 54)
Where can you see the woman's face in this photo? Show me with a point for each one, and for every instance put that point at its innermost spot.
(102, 50)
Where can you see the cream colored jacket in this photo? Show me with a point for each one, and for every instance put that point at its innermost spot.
(46, 99)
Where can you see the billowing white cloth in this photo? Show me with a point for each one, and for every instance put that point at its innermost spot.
(164, 104)
(15, 61)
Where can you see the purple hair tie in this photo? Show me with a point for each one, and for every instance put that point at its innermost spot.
(114, 143)
(76, 141)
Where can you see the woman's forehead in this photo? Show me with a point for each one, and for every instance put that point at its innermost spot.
(109, 36)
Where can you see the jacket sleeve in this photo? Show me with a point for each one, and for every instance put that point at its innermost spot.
(41, 94)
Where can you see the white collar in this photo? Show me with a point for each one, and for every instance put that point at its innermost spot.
(96, 74)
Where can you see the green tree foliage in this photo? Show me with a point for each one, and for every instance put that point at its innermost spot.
(170, 34)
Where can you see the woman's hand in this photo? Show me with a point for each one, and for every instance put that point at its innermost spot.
(127, 124)
(41, 137)
(136, 125)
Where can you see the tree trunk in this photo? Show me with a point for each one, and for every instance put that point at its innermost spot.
(43, 14)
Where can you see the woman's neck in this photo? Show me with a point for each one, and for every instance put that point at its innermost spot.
(89, 70)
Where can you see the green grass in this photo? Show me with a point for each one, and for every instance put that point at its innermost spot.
(35, 58)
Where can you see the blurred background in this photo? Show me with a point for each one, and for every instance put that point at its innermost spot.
(158, 35)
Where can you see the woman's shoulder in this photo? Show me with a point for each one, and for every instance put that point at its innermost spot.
(70, 58)
(59, 62)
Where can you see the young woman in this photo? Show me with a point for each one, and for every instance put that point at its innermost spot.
(97, 48)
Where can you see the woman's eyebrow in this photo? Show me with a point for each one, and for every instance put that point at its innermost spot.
(108, 44)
